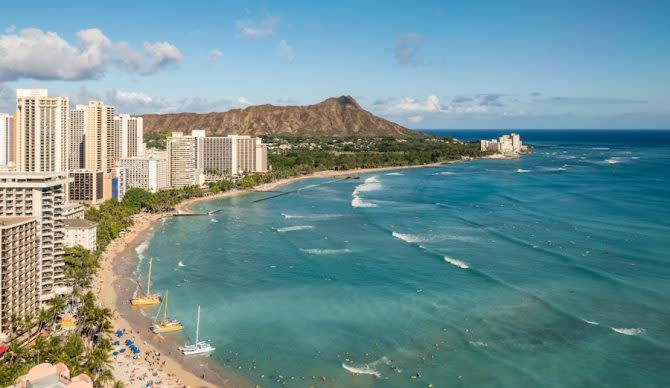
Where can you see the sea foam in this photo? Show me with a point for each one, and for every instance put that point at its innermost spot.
(370, 184)
(395, 174)
(629, 331)
(315, 251)
(456, 263)
(367, 369)
(294, 228)
(521, 170)
(181, 264)
(410, 238)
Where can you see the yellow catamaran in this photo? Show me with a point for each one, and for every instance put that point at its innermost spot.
(166, 325)
(148, 298)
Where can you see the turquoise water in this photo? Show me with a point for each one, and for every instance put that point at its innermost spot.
(551, 270)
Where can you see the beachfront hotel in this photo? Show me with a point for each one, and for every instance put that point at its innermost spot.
(42, 196)
(41, 131)
(19, 269)
(185, 159)
(128, 136)
(6, 148)
(505, 144)
(148, 172)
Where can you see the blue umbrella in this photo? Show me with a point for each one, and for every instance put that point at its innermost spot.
(119, 333)
(115, 353)
(122, 350)
(116, 343)
(136, 351)
(128, 342)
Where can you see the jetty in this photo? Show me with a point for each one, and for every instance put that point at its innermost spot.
(282, 193)
(209, 213)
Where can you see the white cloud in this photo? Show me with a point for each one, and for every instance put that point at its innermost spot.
(33, 53)
(408, 105)
(215, 54)
(251, 30)
(243, 101)
(10, 29)
(415, 119)
(285, 52)
(130, 98)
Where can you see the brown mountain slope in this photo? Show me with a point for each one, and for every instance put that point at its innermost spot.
(341, 116)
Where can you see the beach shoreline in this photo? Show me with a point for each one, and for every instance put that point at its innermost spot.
(116, 282)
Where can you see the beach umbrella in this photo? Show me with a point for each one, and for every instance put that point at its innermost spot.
(115, 353)
(122, 350)
(116, 343)
(128, 342)
(119, 333)
(136, 351)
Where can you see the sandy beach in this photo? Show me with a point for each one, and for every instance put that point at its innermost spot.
(115, 283)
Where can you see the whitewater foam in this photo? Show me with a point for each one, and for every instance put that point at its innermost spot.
(367, 369)
(410, 238)
(444, 173)
(181, 264)
(590, 322)
(521, 170)
(294, 228)
(395, 174)
(213, 220)
(600, 148)
(613, 161)
(312, 216)
(314, 251)
(140, 249)
(456, 263)
(370, 184)
(628, 331)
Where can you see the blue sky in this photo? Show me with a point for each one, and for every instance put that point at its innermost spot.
(430, 64)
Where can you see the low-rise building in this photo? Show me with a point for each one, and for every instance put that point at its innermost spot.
(19, 269)
(80, 232)
(73, 210)
(52, 376)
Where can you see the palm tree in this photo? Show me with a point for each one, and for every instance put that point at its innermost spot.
(57, 305)
(43, 317)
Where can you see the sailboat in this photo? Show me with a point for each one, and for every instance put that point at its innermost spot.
(148, 298)
(199, 347)
(166, 325)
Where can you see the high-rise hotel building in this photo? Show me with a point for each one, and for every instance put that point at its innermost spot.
(129, 136)
(185, 159)
(92, 152)
(43, 197)
(6, 139)
(148, 172)
(233, 155)
(41, 131)
(19, 269)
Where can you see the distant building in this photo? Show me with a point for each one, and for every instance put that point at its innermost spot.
(147, 172)
(80, 232)
(52, 376)
(76, 137)
(42, 196)
(6, 148)
(506, 144)
(19, 269)
(185, 162)
(233, 155)
(41, 131)
(129, 136)
(87, 186)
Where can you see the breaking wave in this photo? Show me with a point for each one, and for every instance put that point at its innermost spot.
(600, 148)
(629, 331)
(370, 184)
(325, 251)
(294, 228)
(140, 249)
(444, 173)
(591, 322)
(521, 170)
(181, 264)
(367, 369)
(456, 263)
(395, 174)
(410, 238)
(312, 216)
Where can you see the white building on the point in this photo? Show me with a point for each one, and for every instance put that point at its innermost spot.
(505, 144)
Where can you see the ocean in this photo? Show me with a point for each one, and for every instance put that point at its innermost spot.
(549, 270)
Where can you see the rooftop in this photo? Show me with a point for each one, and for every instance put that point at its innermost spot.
(78, 223)
(9, 221)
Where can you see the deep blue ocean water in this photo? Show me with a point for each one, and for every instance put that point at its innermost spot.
(549, 270)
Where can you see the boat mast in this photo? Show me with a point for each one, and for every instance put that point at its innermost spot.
(197, 326)
(149, 278)
(166, 307)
